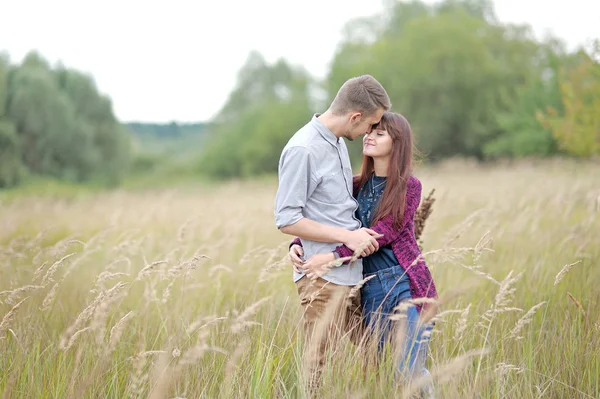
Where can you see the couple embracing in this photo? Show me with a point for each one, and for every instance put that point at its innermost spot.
(334, 215)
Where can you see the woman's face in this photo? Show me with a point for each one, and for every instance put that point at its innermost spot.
(377, 144)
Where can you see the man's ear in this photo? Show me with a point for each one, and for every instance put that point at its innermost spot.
(355, 117)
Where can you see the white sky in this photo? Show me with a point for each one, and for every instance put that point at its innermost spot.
(178, 60)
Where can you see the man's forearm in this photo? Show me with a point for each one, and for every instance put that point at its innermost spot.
(314, 231)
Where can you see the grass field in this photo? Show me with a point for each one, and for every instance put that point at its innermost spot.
(182, 292)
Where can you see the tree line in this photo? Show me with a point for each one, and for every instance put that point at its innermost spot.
(55, 123)
(470, 86)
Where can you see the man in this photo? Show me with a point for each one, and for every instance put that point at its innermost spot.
(314, 202)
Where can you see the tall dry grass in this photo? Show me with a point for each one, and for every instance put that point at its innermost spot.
(186, 292)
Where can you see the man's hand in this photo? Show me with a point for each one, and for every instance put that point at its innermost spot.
(296, 254)
(360, 237)
(315, 266)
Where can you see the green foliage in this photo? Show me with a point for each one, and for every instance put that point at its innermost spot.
(62, 126)
(522, 133)
(469, 85)
(577, 129)
(267, 107)
(11, 168)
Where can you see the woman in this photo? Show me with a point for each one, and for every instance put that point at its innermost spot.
(388, 196)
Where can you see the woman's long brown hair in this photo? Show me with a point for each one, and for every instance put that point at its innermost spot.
(393, 200)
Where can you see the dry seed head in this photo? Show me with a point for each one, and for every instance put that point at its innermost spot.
(324, 269)
(102, 311)
(267, 272)
(505, 293)
(356, 289)
(463, 227)
(563, 272)
(523, 321)
(183, 229)
(12, 295)
(167, 292)
(106, 275)
(49, 299)
(461, 324)
(192, 264)
(502, 300)
(39, 270)
(252, 309)
(576, 302)
(241, 321)
(149, 268)
(50, 272)
(9, 316)
(117, 331)
(138, 379)
(422, 213)
(504, 368)
(481, 246)
(150, 353)
(439, 318)
(475, 269)
(240, 326)
(74, 338)
(88, 312)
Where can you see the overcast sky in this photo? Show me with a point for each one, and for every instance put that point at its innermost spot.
(178, 60)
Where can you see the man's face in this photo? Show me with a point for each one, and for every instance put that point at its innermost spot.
(360, 124)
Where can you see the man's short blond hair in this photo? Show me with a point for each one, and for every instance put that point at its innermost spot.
(362, 94)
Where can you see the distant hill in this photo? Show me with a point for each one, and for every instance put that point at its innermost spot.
(168, 137)
(166, 131)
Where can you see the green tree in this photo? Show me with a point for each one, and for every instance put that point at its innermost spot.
(522, 133)
(468, 84)
(577, 129)
(54, 141)
(58, 124)
(266, 108)
(11, 168)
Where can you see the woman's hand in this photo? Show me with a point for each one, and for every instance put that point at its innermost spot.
(314, 267)
(296, 252)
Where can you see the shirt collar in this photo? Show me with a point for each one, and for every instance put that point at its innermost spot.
(324, 130)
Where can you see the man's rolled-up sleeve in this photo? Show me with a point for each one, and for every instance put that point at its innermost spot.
(296, 183)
